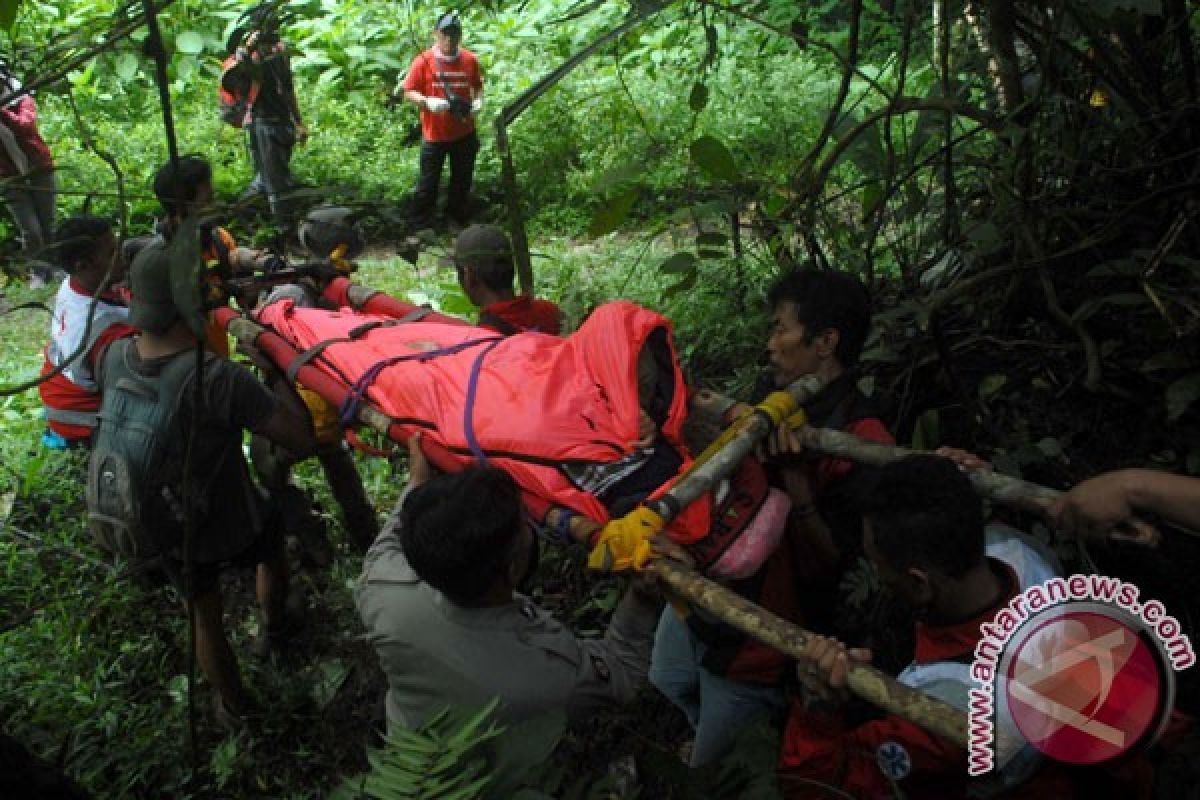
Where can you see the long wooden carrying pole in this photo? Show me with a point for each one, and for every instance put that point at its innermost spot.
(878, 688)
(994, 486)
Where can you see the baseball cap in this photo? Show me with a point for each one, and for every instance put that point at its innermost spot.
(448, 21)
(481, 243)
(152, 307)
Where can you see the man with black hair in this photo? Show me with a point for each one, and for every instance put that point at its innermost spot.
(446, 84)
(235, 525)
(484, 261)
(923, 529)
(86, 249)
(439, 597)
(719, 677)
(275, 124)
(185, 189)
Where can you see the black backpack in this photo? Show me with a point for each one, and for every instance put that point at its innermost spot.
(136, 460)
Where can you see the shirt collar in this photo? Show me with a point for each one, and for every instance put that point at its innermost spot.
(952, 642)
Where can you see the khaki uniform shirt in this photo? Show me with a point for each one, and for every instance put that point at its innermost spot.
(436, 653)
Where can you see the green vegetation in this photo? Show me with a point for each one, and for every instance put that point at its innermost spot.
(1017, 188)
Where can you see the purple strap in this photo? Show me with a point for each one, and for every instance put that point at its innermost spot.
(469, 406)
(349, 407)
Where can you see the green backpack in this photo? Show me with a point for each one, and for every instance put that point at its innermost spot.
(137, 461)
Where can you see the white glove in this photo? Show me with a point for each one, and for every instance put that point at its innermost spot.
(476, 106)
(437, 105)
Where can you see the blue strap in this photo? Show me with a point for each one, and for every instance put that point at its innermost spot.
(469, 405)
(349, 407)
(562, 528)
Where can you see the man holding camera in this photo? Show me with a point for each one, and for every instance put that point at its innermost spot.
(274, 120)
(446, 84)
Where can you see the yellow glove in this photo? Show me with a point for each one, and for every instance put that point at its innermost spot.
(797, 421)
(625, 542)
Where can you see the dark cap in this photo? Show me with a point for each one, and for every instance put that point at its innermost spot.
(481, 244)
(152, 308)
(448, 21)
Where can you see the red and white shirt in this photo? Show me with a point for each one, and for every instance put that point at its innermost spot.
(72, 397)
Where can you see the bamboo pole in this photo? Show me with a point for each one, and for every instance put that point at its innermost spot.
(994, 486)
(876, 687)
(713, 467)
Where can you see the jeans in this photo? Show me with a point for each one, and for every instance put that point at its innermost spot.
(30, 198)
(271, 144)
(717, 708)
(462, 171)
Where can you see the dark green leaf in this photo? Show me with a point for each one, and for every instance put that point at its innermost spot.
(714, 158)
(698, 99)
(991, 384)
(1181, 395)
(8, 13)
(610, 216)
(689, 280)
(712, 239)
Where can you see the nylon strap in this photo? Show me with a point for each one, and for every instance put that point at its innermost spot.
(358, 391)
(354, 334)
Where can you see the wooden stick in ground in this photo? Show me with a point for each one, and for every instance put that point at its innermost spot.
(867, 682)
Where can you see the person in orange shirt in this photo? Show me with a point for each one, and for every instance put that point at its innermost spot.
(446, 84)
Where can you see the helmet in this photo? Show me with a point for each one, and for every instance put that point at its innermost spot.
(326, 227)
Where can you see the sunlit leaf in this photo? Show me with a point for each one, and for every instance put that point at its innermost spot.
(190, 42)
(126, 66)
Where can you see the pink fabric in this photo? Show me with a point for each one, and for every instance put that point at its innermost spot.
(758, 541)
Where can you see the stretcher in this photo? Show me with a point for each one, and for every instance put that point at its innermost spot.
(553, 412)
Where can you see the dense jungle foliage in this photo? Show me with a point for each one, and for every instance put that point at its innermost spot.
(1016, 181)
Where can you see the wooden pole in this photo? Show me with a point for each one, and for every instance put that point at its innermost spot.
(994, 486)
(874, 686)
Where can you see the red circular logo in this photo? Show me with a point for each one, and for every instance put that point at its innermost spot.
(1084, 687)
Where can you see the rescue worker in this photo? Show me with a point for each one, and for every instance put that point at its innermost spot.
(86, 249)
(445, 83)
(185, 188)
(923, 529)
(483, 259)
(440, 599)
(235, 525)
(720, 678)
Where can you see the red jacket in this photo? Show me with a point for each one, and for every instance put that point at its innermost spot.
(21, 119)
(522, 313)
(787, 584)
